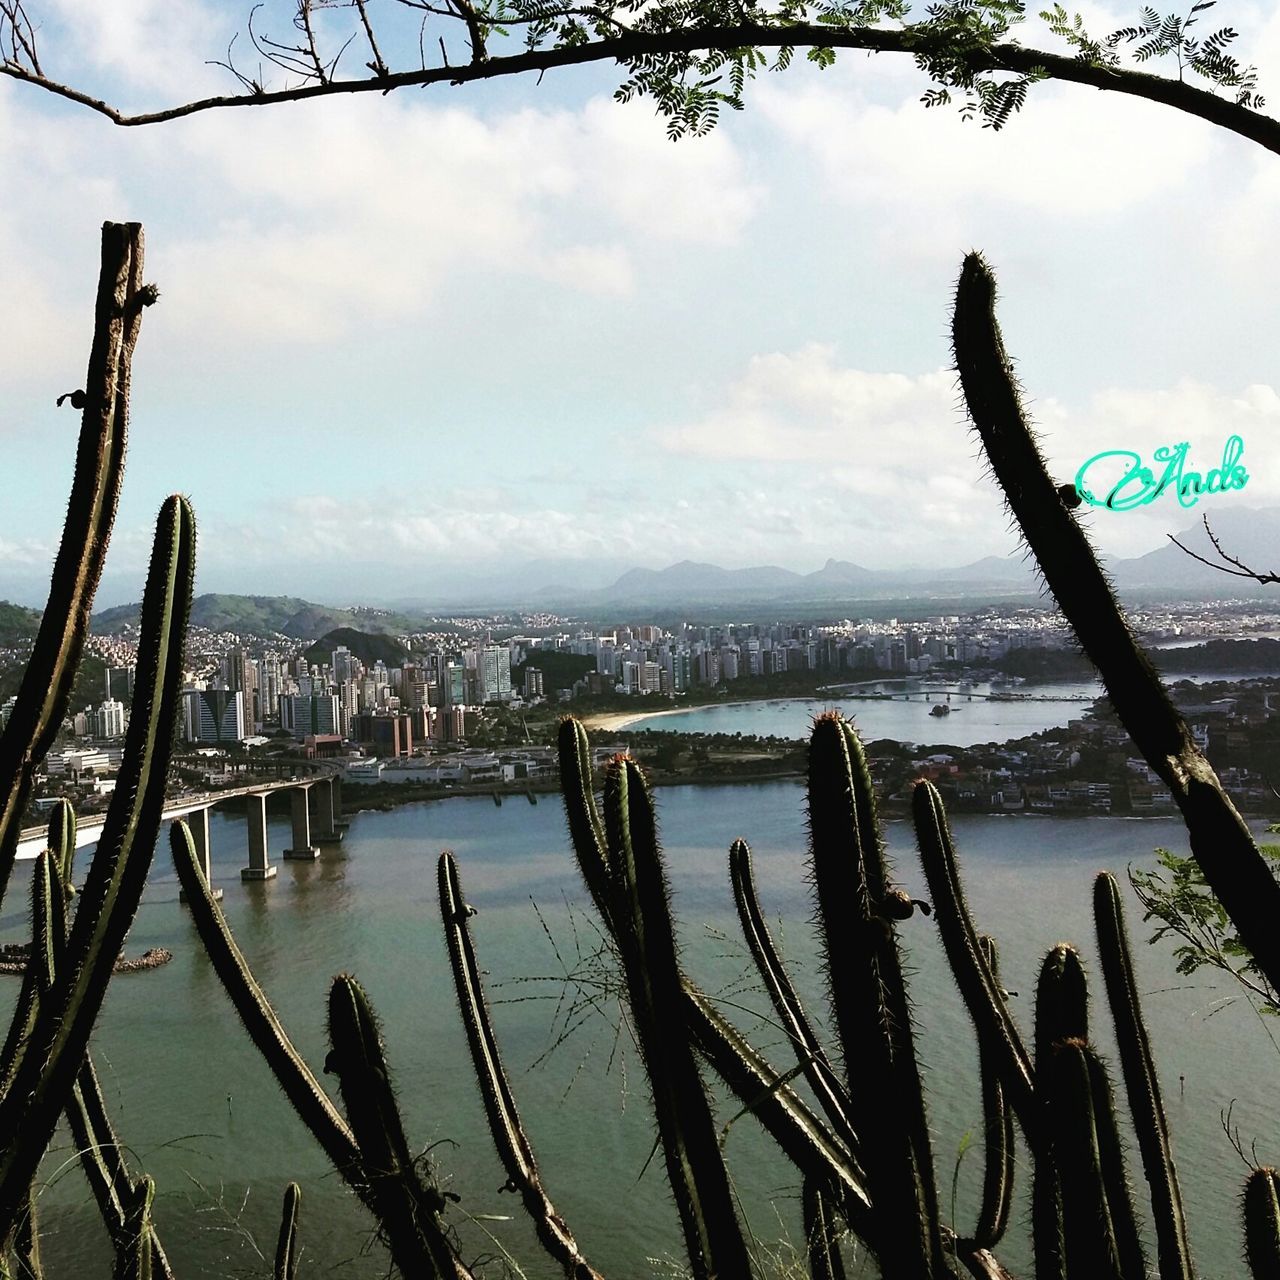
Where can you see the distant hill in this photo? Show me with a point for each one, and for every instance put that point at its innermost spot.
(368, 648)
(1252, 535)
(265, 616)
(17, 623)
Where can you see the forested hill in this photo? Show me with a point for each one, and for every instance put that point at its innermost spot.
(368, 648)
(266, 616)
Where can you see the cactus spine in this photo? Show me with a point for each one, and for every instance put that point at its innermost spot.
(821, 1235)
(514, 1148)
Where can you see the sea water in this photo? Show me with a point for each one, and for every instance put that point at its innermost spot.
(199, 1110)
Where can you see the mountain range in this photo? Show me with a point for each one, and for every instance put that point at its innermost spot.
(1251, 535)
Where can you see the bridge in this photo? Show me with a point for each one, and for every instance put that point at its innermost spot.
(328, 826)
(849, 693)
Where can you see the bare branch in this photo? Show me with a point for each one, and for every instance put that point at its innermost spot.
(1230, 565)
(1200, 103)
(377, 66)
(22, 35)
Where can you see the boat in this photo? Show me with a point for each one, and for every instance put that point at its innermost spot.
(941, 709)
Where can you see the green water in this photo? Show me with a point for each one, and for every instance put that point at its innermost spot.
(202, 1113)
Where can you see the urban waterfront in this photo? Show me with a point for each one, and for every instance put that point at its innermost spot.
(192, 1099)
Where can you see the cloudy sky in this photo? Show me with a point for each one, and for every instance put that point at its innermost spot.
(405, 341)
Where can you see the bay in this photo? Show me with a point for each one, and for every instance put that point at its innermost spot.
(902, 710)
(200, 1111)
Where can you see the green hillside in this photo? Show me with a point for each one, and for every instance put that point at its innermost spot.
(368, 648)
(17, 623)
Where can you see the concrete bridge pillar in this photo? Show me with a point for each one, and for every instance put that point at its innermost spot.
(301, 847)
(198, 821)
(335, 787)
(259, 867)
(327, 830)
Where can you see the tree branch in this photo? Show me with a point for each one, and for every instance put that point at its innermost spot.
(1236, 568)
(1200, 103)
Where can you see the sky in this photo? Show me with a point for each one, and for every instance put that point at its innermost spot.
(409, 343)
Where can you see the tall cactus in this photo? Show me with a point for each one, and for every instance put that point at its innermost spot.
(640, 912)
(46, 687)
(1261, 1211)
(1220, 840)
(286, 1261)
(869, 1001)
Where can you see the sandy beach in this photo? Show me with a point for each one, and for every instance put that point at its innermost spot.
(613, 720)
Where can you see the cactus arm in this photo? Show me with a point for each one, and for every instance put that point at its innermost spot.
(408, 1209)
(1115, 1179)
(46, 687)
(62, 845)
(997, 1128)
(997, 1032)
(826, 1085)
(47, 1069)
(868, 997)
(26, 1245)
(133, 1260)
(1261, 1210)
(102, 1161)
(644, 931)
(62, 842)
(1088, 1229)
(805, 1140)
(586, 831)
(1061, 1013)
(286, 1263)
(821, 1235)
(259, 1019)
(1220, 840)
(514, 1148)
(1142, 1085)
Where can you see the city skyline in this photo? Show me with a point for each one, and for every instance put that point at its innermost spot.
(435, 333)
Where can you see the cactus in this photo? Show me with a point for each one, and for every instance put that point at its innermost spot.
(826, 1085)
(586, 831)
(821, 1236)
(1261, 1211)
(408, 1210)
(46, 687)
(133, 1261)
(514, 1148)
(286, 1263)
(982, 993)
(997, 1129)
(869, 1000)
(1142, 1086)
(640, 911)
(1220, 840)
(47, 1062)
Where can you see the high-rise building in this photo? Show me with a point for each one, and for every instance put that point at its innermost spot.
(214, 715)
(109, 721)
(241, 673)
(532, 682)
(310, 714)
(493, 673)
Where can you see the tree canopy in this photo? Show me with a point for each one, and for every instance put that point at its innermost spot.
(694, 57)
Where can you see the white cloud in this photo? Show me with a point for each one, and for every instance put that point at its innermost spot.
(898, 452)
